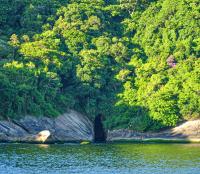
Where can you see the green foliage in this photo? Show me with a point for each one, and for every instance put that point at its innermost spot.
(23, 91)
(19, 16)
(185, 81)
(133, 61)
(166, 94)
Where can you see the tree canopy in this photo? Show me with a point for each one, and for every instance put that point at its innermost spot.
(136, 62)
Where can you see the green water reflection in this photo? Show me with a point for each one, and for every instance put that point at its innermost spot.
(100, 158)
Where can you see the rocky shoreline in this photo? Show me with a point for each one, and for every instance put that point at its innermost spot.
(75, 127)
(185, 132)
(69, 127)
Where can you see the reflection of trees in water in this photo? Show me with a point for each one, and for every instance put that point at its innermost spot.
(108, 157)
(171, 155)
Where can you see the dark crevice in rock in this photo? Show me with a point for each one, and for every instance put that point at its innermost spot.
(21, 126)
(4, 126)
(99, 132)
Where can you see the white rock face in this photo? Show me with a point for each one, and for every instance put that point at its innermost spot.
(189, 128)
(43, 135)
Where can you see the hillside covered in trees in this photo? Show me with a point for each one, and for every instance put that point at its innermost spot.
(136, 62)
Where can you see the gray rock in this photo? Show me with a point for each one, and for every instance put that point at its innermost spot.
(188, 131)
(71, 126)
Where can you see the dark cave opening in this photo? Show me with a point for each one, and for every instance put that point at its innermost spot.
(99, 132)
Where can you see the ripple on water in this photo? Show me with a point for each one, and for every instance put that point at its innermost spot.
(100, 159)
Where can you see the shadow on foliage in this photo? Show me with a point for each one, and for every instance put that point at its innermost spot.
(131, 117)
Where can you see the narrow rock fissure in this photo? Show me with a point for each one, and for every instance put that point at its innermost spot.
(99, 132)
(21, 126)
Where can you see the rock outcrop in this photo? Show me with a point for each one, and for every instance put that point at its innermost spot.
(69, 127)
(186, 132)
(75, 127)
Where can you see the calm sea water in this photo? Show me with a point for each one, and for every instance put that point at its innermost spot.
(100, 159)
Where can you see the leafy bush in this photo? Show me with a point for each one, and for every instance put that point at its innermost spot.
(135, 62)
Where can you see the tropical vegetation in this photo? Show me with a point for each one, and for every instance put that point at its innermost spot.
(136, 62)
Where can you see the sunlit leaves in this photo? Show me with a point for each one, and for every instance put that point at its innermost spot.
(133, 61)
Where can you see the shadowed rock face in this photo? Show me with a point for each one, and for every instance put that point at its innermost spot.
(99, 133)
(71, 126)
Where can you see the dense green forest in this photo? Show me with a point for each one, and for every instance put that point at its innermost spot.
(136, 62)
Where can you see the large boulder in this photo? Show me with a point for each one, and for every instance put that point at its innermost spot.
(69, 127)
(73, 126)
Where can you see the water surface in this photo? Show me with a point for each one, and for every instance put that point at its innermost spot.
(100, 159)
